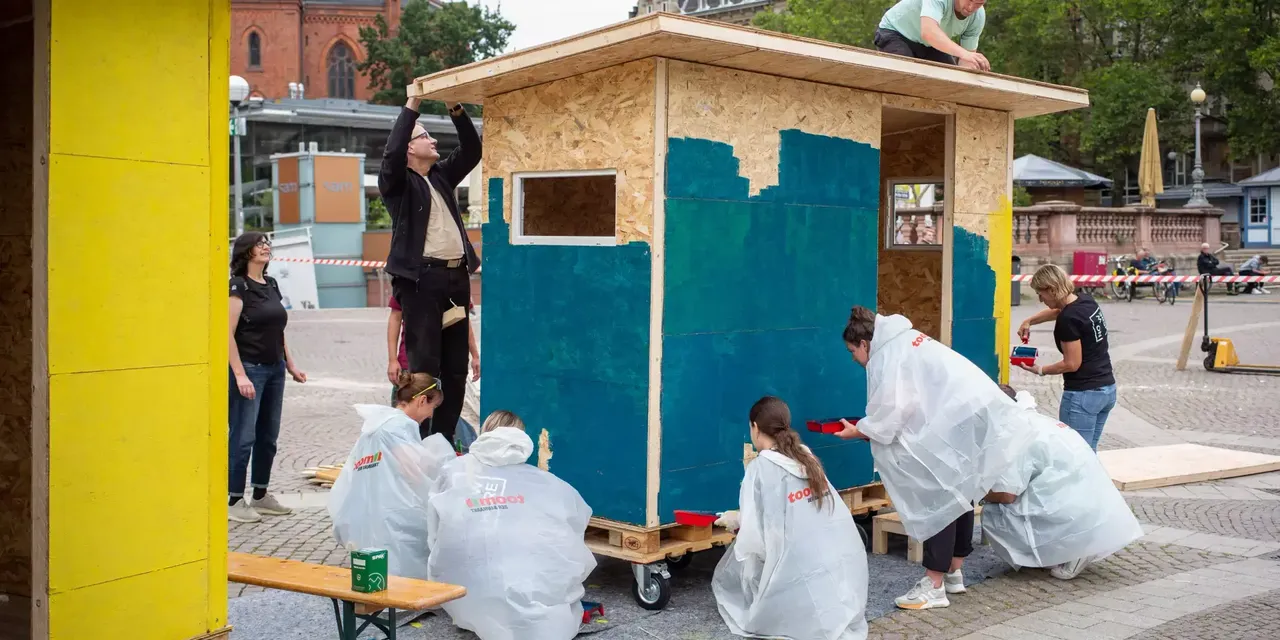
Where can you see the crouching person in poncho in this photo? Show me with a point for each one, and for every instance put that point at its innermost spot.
(1055, 506)
(797, 568)
(380, 498)
(512, 534)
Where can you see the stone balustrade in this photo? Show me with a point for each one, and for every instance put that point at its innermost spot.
(1055, 230)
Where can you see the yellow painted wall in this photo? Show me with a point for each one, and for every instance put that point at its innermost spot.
(137, 312)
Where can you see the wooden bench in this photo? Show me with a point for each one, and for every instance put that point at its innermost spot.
(405, 594)
(887, 523)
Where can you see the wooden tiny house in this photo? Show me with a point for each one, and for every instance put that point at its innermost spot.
(681, 214)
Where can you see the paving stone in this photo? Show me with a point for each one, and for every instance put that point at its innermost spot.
(1257, 617)
(1248, 519)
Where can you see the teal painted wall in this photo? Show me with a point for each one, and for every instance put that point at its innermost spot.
(973, 290)
(566, 347)
(757, 290)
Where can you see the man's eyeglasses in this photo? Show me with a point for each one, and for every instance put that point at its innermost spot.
(424, 134)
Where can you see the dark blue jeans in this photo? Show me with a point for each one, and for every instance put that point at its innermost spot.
(1086, 411)
(254, 425)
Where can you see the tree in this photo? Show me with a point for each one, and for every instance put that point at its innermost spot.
(428, 40)
(844, 21)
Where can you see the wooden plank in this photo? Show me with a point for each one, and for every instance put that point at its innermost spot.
(220, 634)
(598, 543)
(335, 582)
(1163, 466)
(1189, 336)
(40, 552)
(657, 279)
(748, 49)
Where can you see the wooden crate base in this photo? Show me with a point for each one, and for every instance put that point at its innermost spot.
(643, 545)
(868, 497)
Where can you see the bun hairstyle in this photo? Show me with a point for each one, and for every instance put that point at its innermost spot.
(773, 418)
(861, 325)
(409, 385)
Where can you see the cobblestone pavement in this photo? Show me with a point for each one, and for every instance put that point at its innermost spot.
(1210, 552)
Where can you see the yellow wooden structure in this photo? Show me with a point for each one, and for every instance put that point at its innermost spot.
(113, 258)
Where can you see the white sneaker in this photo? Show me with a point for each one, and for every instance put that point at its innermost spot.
(1069, 570)
(242, 512)
(953, 582)
(1263, 290)
(270, 506)
(923, 596)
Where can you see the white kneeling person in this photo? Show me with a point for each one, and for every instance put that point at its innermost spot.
(797, 568)
(512, 534)
(380, 498)
(1056, 506)
(941, 432)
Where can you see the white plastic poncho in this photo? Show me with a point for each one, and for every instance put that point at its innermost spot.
(512, 534)
(380, 498)
(941, 431)
(1067, 507)
(794, 571)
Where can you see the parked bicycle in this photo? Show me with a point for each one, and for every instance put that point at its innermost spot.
(1121, 265)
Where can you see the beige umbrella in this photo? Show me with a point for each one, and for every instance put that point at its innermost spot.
(1150, 178)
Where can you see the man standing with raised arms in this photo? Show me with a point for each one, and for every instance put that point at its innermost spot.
(924, 29)
(431, 258)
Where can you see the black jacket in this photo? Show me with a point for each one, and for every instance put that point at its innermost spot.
(1206, 263)
(408, 198)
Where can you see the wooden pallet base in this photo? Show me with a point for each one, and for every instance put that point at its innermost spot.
(643, 545)
(867, 498)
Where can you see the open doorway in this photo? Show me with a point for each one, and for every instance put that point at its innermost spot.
(913, 191)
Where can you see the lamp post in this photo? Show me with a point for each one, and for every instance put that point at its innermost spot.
(1197, 201)
(239, 91)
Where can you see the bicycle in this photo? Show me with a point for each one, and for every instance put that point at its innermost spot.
(1118, 289)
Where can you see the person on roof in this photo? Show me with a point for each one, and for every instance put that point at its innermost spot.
(941, 432)
(1055, 506)
(925, 29)
(797, 568)
(512, 534)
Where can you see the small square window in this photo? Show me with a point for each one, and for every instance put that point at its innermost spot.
(915, 213)
(565, 208)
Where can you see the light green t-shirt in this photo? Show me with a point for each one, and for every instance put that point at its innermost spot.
(904, 18)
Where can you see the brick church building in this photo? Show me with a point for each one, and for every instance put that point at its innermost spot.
(312, 42)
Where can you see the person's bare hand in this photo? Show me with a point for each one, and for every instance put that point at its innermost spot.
(976, 61)
(1030, 368)
(245, 386)
(475, 368)
(299, 375)
(393, 371)
(1024, 331)
(850, 432)
(413, 103)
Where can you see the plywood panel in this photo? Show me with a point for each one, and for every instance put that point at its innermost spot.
(561, 126)
(1150, 467)
(106, 309)
(910, 281)
(172, 601)
(747, 111)
(288, 194)
(775, 54)
(982, 142)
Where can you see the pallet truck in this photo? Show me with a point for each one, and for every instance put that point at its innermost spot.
(1221, 352)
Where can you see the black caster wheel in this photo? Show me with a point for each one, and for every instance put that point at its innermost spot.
(655, 595)
(866, 539)
(680, 562)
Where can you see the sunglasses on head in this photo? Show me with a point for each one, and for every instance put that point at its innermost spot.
(430, 387)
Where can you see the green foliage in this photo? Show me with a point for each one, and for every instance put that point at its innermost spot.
(377, 216)
(1120, 95)
(844, 21)
(1021, 197)
(429, 40)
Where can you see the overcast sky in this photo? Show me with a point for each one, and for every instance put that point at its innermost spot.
(540, 21)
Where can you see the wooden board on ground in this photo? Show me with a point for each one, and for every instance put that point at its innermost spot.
(1151, 467)
(643, 545)
(408, 594)
(868, 497)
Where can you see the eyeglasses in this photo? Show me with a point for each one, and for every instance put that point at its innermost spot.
(424, 134)
(432, 386)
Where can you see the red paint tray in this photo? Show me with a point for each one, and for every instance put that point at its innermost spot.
(830, 425)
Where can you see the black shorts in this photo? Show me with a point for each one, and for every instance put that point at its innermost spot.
(890, 41)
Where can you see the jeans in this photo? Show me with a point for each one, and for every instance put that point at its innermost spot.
(254, 426)
(1086, 411)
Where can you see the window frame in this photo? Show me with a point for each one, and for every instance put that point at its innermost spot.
(329, 68)
(518, 236)
(1261, 200)
(254, 46)
(889, 216)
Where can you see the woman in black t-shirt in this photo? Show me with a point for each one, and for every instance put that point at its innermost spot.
(258, 359)
(1080, 331)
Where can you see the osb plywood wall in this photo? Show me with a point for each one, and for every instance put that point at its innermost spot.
(982, 139)
(598, 120)
(581, 206)
(16, 46)
(911, 280)
(747, 110)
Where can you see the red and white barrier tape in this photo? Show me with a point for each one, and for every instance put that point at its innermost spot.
(377, 264)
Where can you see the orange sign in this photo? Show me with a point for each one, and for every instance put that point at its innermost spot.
(338, 184)
(287, 187)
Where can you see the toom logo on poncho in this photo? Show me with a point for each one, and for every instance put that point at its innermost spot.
(490, 503)
(368, 462)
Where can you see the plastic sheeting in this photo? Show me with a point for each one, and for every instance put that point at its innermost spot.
(1067, 507)
(512, 534)
(941, 431)
(794, 571)
(380, 498)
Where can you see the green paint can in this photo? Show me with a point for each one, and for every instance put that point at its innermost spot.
(369, 570)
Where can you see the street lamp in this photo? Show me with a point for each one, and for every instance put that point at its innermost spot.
(1197, 201)
(239, 91)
